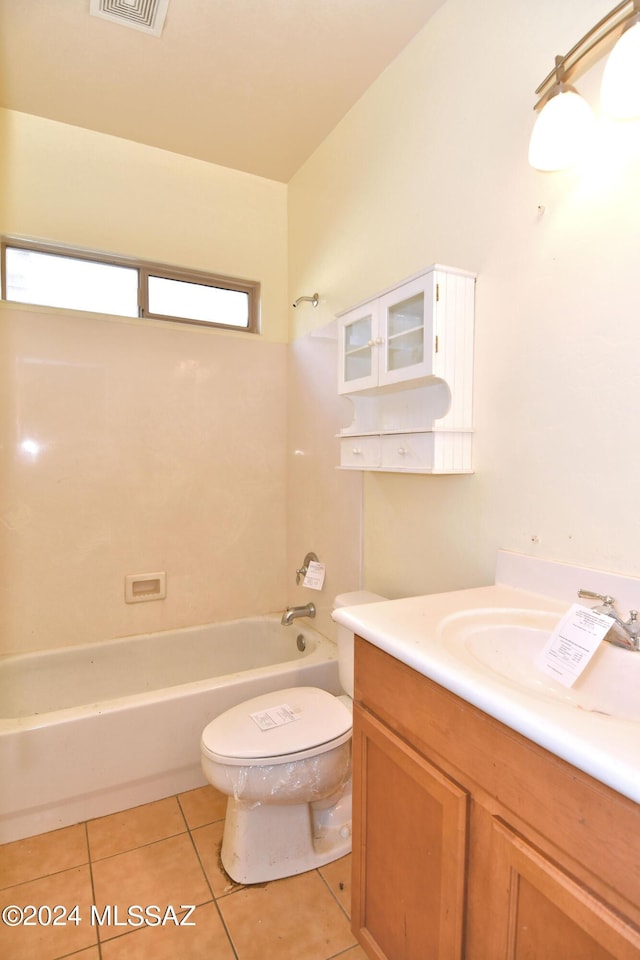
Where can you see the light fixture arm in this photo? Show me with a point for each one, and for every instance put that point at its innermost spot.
(610, 28)
(559, 71)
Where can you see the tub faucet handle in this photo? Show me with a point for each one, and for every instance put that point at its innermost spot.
(301, 572)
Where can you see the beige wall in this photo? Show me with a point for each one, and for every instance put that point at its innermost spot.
(431, 166)
(75, 186)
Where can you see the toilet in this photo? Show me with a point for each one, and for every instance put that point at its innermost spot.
(284, 761)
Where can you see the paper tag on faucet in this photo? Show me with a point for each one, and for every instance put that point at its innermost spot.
(573, 643)
(314, 577)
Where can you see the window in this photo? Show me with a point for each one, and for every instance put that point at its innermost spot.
(198, 302)
(51, 280)
(46, 275)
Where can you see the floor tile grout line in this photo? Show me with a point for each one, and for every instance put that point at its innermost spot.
(215, 899)
(336, 956)
(179, 833)
(44, 876)
(76, 953)
(333, 894)
(149, 843)
(139, 846)
(93, 888)
(182, 813)
(226, 930)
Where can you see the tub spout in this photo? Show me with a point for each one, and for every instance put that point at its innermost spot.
(291, 613)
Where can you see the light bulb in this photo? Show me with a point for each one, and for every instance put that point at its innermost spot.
(562, 131)
(620, 93)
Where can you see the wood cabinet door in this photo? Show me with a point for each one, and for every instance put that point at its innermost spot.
(540, 912)
(409, 850)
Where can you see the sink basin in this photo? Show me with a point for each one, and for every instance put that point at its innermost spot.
(506, 643)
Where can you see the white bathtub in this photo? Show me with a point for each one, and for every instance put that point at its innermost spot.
(86, 731)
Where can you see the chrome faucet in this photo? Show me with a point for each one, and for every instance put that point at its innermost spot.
(291, 613)
(623, 633)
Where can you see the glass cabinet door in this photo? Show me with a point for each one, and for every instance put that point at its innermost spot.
(358, 356)
(405, 333)
(407, 315)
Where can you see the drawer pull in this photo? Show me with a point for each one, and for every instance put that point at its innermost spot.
(356, 451)
(403, 451)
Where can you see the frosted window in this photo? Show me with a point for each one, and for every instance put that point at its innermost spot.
(198, 302)
(56, 281)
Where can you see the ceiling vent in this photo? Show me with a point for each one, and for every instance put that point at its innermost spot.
(145, 15)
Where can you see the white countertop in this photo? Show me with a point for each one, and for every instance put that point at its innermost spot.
(606, 747)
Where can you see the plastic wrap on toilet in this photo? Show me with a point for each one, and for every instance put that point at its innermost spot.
(296, 781)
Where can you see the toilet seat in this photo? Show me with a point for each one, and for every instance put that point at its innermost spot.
(278, 727)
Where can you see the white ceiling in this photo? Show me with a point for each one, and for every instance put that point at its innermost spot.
(251, 84)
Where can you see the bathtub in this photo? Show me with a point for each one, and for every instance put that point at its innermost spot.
(86, 731)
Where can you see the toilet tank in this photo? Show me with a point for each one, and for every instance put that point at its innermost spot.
(344, 636)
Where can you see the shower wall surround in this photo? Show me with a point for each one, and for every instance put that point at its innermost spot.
(132, 447)
(324, 505)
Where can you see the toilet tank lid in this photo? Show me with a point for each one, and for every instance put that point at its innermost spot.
(356, 597)
(275, 725)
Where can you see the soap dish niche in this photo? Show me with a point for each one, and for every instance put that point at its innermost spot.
(139, 587)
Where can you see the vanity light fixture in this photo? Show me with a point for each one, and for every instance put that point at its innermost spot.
(314, 300)
(620, 92)
(565, 120)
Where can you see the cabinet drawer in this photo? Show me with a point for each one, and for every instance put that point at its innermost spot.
(360, 452)
(408, 451)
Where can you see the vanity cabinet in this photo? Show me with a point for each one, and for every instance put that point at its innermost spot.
(470, 842)
(410, 881)
(406, 364)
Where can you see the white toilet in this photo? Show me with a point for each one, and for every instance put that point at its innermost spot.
(284, 761)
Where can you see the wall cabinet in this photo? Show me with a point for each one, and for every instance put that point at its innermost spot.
(389, 339)
(406, 364)
(470, 841)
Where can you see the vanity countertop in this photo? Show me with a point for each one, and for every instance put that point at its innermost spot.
(417, 631)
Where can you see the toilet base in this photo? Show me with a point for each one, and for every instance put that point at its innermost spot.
(270, 841)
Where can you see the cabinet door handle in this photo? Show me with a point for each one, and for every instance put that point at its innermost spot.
(370, 343)
(379, 340)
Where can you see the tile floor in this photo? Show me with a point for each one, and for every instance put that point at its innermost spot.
(166, 854)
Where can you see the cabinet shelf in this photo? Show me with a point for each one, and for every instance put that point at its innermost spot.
(380, 390)
(405, 333)
(396, 432)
